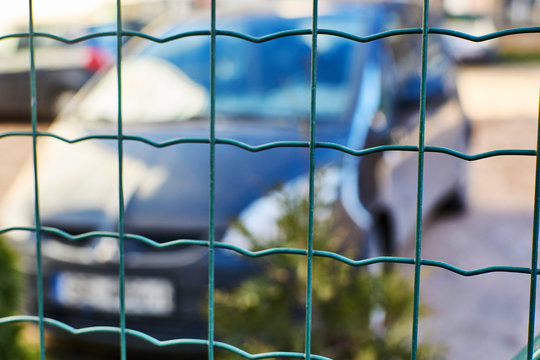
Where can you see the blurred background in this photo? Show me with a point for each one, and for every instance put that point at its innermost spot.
(481, 317)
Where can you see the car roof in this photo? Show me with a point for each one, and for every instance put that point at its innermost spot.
(274, 9)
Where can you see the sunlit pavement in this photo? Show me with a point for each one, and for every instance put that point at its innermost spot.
(486, 316)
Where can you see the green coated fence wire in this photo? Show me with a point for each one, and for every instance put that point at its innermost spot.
(33, 96)
(211, 244)
(420, 188)
(534, 251)
(121, 205)
(310, 253)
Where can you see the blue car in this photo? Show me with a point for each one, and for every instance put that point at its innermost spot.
(367, 95)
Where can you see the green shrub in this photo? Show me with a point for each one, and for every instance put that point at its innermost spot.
(11, 346)
(356, 314)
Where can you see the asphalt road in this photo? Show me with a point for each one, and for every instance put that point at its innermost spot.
(481, 317)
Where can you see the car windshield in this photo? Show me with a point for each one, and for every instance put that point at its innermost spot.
(171, 81)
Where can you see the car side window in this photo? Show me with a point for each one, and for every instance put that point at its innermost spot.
(406, 51)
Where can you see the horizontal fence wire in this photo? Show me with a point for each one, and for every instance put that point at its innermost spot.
(281, 144)
(214, 141)
(280, 34)
(267, 252)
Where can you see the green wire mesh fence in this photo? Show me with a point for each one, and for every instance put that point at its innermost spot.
(212, 141)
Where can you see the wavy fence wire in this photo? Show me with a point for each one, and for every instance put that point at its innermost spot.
(212, 141)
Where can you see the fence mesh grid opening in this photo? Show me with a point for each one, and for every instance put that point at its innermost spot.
(418, 262)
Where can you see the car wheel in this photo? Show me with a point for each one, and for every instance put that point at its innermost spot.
(380, 242)
(456, 200)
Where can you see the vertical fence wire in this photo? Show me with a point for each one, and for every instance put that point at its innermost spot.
(312, 143)
(420, 187)
(33, 102)
(534, 250)
(211, 230)
(121, 207)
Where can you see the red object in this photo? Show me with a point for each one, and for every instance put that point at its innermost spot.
(96, 59)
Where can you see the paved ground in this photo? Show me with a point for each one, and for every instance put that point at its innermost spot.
(486, 317)
(483, 317)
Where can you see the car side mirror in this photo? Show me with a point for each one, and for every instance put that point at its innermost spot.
(437, 87)
(440, 81)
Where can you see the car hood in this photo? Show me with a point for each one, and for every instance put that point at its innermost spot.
(166, 190)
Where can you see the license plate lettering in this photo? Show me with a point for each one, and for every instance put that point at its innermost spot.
(143, 296)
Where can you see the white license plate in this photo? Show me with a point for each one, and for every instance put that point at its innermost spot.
(143, 296)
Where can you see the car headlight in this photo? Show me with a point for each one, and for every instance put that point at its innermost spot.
(260, 218)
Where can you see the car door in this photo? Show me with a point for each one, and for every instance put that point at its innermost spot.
(397, 171)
